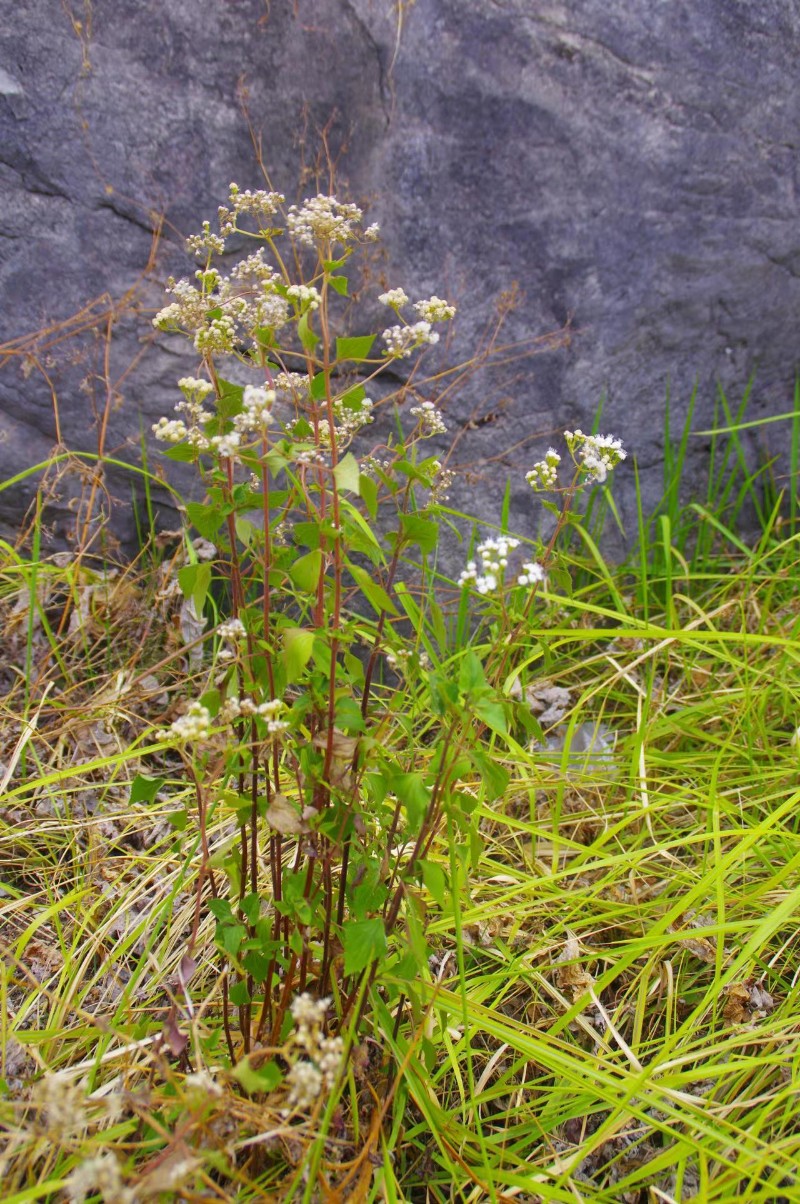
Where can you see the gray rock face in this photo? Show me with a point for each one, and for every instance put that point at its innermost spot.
(633, 167)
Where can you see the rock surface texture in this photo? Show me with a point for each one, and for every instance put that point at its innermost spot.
(633, 167)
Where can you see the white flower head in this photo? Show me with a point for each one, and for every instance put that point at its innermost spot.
(227, 445)
(494, 561)
(596, 455)
(323, 219)
(402, 340)
(395, 297)
(232, 629)
(435, 310)
(544, 474)
(191, 728)
(430, 419)
(170, 430)
(532, 574)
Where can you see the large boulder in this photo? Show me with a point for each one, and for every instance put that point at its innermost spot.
(632, 167)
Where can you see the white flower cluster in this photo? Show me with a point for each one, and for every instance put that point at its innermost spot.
(494, 560)
(216, 309)
(295, 384)
(201, 1084)
(309, 456)
(544, 473)
(305, 1086)
(532, 574)
(400, 655)
(323, 219)
(191, 728)
(442, 480)
(430, 419)
(307, 296)
(260, 203)
(170, 430)
(255, 414)
(232, 629)
(595, 454)
(175, 430)
(205, 242)
(186, 312)
(218, 335)
(370, 466)
(227, 445)
(435, 310)
(254, 271)
(350, 419)
(253, 418)
(396, 297)
(236, 708)
(320, 1067)
(402, 340)
(195, 390)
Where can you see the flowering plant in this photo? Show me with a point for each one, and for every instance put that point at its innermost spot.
(315, 822)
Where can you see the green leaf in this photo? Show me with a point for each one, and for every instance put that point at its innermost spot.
(251, 907)
(298, 644)
(348, 717)
(229, 402)
(414, 472)
(443, 693)
(351, 400)
(340, 284)
(257, 1082)
(495, 777)
(207, 519)
(230, 936)
(144, 789)
(492, 714)
(364, 942)
(306, 534)
(220, 909)
(359, 535)
(435, 881)
(414, 795)
(257, 965)
(375, 594)
(194, 580)
(265, 336)
(368, 489)
(306, 334)
(423, 532)
(317, 390)
(346, 473)
(470, 673)
(306, 570)
(239, 994)
(356, 349)
(181, 453)
(276, 462)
